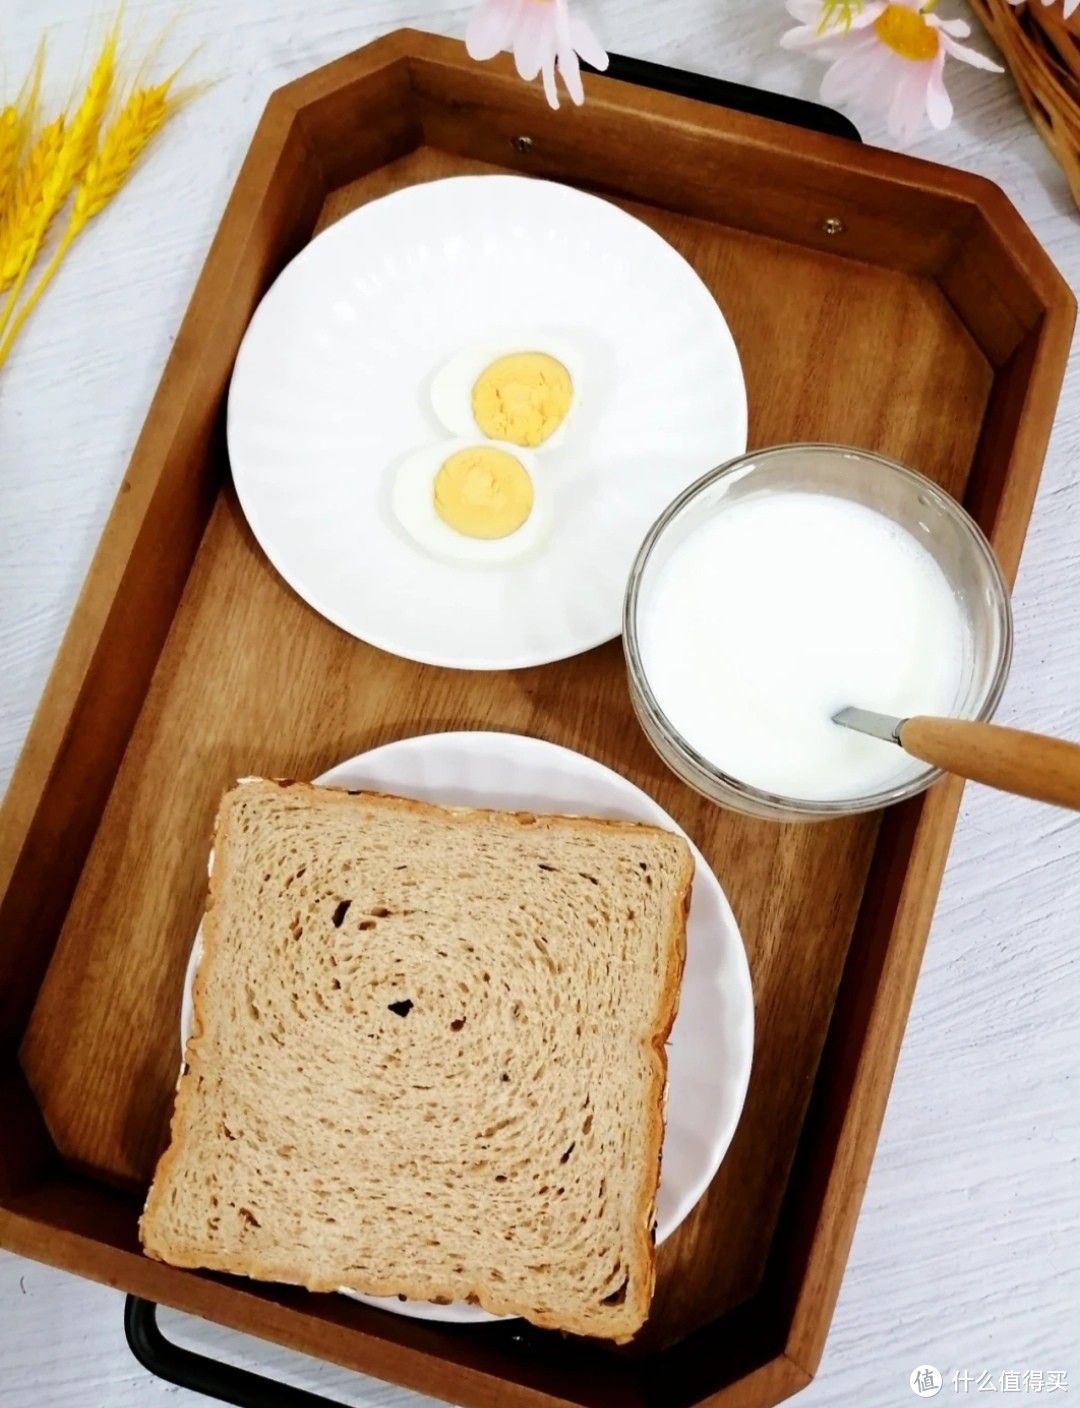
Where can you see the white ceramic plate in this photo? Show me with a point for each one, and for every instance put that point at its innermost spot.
(330, 394)
(711, 1045)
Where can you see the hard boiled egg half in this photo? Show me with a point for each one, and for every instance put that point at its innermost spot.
(522, 391)
(472, 501)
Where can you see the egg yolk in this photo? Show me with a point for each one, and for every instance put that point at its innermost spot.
(523, 398)
(483, 492)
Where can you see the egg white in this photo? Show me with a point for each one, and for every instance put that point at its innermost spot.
(452, 386)
(413, 503)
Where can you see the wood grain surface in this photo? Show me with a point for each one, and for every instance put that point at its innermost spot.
(556, 703)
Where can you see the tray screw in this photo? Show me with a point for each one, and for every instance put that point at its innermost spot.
(833, 225)
(523, 144)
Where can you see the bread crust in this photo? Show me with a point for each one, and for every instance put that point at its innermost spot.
(625, 1320)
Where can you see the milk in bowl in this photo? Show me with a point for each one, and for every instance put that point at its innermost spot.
(791, 585)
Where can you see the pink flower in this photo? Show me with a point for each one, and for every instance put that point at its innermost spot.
(543, 35)
(888, 56)
(1070, 5)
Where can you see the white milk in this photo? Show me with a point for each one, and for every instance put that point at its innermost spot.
(782, 609)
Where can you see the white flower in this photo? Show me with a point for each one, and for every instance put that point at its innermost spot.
(889, 56)
(1070, 5)
(543, 35)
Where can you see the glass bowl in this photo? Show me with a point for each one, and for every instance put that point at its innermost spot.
(909, 500)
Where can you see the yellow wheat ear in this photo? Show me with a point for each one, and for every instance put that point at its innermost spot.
(77, 142)
(122, 143)
(28, 211)
(85, 128)
(17, 123)
(9, 156)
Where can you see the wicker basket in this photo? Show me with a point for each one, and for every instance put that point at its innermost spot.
(1042, 49)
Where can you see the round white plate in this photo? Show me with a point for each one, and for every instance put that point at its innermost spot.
(712, 1042)
(330, 394)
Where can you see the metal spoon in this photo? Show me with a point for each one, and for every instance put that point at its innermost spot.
(1027, 764)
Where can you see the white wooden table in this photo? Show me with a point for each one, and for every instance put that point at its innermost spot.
(967, 1255)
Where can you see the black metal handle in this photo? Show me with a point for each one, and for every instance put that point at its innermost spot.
(187, 1369)
(796, 112)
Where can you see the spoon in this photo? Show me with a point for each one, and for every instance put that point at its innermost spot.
(1027, 764)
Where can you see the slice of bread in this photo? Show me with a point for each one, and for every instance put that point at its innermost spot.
(428, 1055)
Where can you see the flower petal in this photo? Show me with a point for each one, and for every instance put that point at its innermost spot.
(885, 72)
(534, 39)
(540, 46)
(804, 36)
(551, 91)
(869, 14)
(969, 56)
(939, 108)
(818, 46)
(571, 74)
(811, 34)
(959, 29)
(842, 81)
(565, 56)
(586, 43)
(909, 101)
(490, 28)
(851, 76)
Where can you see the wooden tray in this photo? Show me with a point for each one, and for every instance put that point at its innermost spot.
(876, 300)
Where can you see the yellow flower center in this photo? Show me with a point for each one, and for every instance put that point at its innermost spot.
(906, 33)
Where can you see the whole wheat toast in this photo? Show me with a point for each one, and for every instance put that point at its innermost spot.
(428, 1055)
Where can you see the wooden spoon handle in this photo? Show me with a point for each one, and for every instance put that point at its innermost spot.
(1028, 764)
